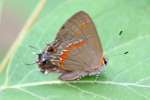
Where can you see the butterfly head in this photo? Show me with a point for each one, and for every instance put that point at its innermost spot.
(45, 60)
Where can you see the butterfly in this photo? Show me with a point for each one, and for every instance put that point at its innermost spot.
(76, 51)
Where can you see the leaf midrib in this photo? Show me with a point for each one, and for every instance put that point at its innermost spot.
(124, 84)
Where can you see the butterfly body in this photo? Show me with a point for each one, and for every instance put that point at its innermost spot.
(76, 51)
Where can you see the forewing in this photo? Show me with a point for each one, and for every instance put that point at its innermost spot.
(80, 27)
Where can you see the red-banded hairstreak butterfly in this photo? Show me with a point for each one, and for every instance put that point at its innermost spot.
(76, 50)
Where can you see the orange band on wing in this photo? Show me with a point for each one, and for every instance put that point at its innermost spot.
(65, 53)
(102, 62)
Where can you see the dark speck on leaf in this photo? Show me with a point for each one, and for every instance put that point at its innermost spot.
(120, 33)
(126, 52)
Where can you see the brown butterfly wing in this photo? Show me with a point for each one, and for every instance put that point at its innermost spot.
(87, 56)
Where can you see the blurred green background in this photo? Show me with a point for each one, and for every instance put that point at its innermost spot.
(13, 14)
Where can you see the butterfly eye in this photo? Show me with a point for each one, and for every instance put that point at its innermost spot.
(51, 49)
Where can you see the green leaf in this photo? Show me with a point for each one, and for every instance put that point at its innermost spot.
(126, 77)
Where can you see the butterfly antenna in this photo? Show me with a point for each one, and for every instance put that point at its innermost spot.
(31, 64)
(33, 47)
